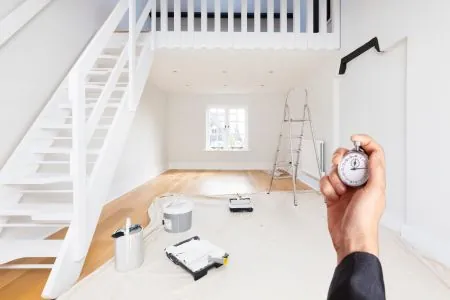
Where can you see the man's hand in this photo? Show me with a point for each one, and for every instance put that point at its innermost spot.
(354, 213)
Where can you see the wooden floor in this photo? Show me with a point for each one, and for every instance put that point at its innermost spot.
(28, 284)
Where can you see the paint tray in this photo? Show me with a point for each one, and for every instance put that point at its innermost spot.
(197, 256)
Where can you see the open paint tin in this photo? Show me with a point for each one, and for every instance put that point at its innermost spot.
(177, 216)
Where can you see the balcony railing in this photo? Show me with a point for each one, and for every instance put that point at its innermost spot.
(246, 24)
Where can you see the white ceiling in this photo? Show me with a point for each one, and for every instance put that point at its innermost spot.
(226, 71)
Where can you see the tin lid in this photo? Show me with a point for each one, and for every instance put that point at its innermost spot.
(179, 207)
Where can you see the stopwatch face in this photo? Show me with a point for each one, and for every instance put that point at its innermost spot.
(353, 169)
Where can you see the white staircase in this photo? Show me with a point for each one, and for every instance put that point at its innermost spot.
(60, 173)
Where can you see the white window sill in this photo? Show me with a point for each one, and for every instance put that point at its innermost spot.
(227, 150)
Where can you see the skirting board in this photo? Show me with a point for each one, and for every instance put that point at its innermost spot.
(217, 165)
(428, 244)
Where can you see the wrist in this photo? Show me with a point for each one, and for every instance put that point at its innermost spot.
(362, 244)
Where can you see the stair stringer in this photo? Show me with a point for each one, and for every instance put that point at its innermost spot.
(67, 269)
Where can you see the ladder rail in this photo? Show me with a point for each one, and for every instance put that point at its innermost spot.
(294, 167)
(295, 154)
(280, 138)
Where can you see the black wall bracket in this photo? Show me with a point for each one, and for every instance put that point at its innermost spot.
(373, 43)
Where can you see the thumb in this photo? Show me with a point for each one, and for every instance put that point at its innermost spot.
(377, 172)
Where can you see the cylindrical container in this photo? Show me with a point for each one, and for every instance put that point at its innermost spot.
(129, 248)
(178, 216)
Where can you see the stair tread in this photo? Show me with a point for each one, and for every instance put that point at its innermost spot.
(40, 212)
(62, 150)
(101, 87)
(109, 56)
(90, 105)
(15, 249)
(65, 138)
(42, 178)
(69, 126)
(27, 209)
(57, 162)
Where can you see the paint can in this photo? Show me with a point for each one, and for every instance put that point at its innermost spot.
(177, 216)
(129, 247)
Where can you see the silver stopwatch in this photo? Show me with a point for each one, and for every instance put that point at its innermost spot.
(353, 168)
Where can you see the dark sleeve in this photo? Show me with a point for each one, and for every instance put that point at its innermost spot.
(358, 277)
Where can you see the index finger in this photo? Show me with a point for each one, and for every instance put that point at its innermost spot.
(367, 143)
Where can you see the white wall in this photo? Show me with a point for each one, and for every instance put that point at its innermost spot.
(186, 124)
(373, 101)
(426, 223)
(319, 84)
(145, 153)
(36, 59)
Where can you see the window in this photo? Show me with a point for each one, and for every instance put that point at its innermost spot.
(226, 128)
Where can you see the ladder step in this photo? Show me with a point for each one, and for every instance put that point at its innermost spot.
(15, 249)
(26, 266)
(292, 137)
(285, 163)
(282, 177)
(297, 120)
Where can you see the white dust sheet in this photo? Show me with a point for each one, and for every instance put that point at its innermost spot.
(277, 252)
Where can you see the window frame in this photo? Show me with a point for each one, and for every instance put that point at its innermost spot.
(227, 109)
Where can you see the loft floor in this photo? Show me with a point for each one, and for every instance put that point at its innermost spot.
(28, 284)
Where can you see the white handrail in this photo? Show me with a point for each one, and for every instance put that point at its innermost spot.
(78, 161)
(82, 130)
(132, 38)
(19, 17)
(100, 40)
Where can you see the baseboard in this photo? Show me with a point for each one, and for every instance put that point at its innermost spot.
(218, 165)
(428, 244)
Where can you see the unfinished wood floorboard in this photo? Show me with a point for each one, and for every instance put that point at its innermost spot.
(28, 284)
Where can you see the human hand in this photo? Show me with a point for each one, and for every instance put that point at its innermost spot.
(354, 213)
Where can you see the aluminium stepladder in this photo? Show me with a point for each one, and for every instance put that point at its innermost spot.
(294, 161)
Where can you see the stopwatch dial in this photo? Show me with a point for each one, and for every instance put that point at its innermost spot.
(353, 169)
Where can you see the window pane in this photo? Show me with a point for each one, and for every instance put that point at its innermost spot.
(236, 135)
(241, 115)
(216, 128)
